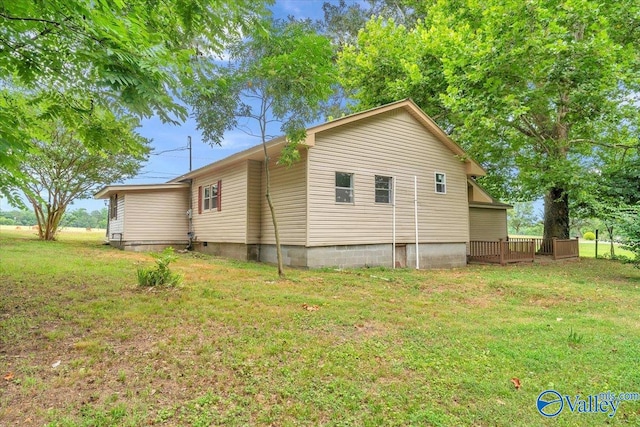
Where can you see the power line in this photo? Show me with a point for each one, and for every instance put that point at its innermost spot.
(169, 151)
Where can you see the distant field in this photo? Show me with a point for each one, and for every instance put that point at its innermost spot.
(82, 345)
(64, 233)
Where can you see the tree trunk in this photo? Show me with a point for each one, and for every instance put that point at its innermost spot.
(556, 214)
(273, 211)
(611, 247)
(39, 218)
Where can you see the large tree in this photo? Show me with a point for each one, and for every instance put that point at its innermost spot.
(277, 76)
(127, 56)
(533, 90)
(62, 168)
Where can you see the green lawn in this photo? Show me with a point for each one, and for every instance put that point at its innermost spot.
(235, 346)
(588, 249)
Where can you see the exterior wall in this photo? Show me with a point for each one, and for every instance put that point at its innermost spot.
(254, 201)
(432, 255)
(438, 255)
(288, 192)
(229, 250)
(150, 245)
(391, 144)
(159, 216)
(477, 195)
(292, 256)
(116, 225)
(487, 224)
(228, 225)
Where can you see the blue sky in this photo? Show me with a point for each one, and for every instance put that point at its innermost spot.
(170, 164)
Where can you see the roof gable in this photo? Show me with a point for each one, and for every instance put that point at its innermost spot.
(473, 168)
(256, 152)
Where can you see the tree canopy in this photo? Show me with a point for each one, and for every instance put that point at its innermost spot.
(130, 57)
(62, 169)
(541, 93)
(121, 54)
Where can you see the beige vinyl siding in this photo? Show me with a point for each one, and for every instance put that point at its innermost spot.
(228, 225)
(288, 192)
(117, 225)
(156, 215)
(477, 195)
(254, 201)
(487, 224)
(391, 144)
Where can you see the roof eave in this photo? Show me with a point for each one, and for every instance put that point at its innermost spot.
(249, 153)
(495, 205)
(109, 190)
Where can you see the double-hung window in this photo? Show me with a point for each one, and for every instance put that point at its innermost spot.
(209, 197)
(113, 205)
(214, 196)
(441, 183)
(384, 189)
(344, 187)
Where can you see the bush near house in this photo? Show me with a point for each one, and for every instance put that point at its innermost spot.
(160, 274)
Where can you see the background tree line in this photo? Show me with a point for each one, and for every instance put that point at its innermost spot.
(72, 218)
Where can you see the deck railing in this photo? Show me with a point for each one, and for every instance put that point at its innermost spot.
(521, 250)
(565, 248)
(503, 251)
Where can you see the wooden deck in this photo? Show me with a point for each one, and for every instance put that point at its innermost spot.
(504, 252)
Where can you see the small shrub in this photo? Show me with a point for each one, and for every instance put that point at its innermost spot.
(160, 274)
(589, 236)
(575, 338)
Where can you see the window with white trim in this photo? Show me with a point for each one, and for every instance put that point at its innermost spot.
(384, 189)
(210, 197)
(113, 205)
(441, 183)
(344, 187)
(206, 200)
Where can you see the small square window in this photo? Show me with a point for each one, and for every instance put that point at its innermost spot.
(384, 189)
(441, 183)
(344, 187)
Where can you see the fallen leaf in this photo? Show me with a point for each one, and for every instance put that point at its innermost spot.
(9, 376)
(310, 307)
(516, 383)
(56, 364)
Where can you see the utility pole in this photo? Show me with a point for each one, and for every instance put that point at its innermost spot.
(189, 147)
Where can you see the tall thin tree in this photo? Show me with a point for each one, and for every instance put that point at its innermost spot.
(279, 74)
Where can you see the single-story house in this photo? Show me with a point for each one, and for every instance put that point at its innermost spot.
(335, 206)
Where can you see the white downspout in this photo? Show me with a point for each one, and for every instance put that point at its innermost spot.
(393, 201)
(415, 209)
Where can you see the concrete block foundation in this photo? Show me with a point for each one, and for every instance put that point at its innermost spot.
(147, 245)
(432, 255)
